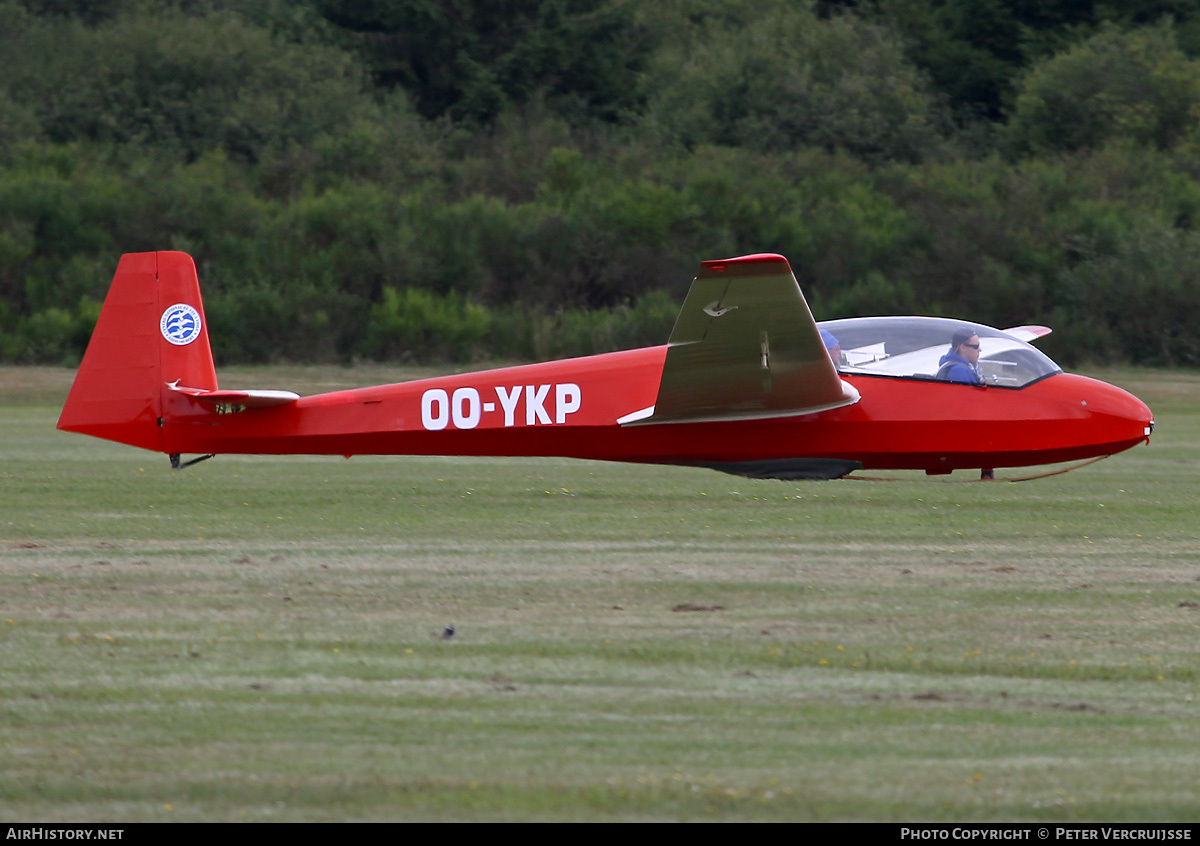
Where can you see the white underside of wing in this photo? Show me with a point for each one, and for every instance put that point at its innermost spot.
(635, 416)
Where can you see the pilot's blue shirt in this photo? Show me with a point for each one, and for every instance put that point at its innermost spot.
(954, 368)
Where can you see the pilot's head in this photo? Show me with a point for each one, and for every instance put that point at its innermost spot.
(831, 346)
(965, 343)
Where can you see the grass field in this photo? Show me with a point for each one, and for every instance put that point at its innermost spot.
(258, 638)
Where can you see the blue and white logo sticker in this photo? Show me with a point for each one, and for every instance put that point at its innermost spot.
(180, 324)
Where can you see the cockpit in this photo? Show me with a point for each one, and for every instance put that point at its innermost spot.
(911, 347)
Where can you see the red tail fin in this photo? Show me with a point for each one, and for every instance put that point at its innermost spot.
(151, 331)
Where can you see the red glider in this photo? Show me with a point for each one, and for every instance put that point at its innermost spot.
(745, 385)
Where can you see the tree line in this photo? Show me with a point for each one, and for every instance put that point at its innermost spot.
(455, 179)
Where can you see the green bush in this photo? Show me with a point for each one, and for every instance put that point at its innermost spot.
(583, 162)
(418, 325)
(1137, 301)
(1134, 85)
(179, 82)
(533, 333)
(44, 336)
(785, 79)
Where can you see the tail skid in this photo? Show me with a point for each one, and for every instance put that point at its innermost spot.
(177, 464)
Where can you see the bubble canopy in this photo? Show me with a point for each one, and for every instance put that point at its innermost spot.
(910, 347)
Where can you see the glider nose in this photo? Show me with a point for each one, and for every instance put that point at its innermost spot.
(1118, 417)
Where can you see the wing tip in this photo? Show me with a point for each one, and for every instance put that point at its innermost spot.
(744, 262)
(1029, 334)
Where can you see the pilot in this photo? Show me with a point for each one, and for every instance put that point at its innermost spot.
(832, 347)
(961, 361)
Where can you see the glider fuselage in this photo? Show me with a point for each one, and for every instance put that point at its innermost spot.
(569, 408)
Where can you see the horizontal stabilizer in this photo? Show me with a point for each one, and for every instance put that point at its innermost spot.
(745, 347)
(246, 399)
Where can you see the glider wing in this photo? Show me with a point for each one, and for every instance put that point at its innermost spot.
(745, 347)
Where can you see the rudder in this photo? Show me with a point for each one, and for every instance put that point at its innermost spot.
(152, 331)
